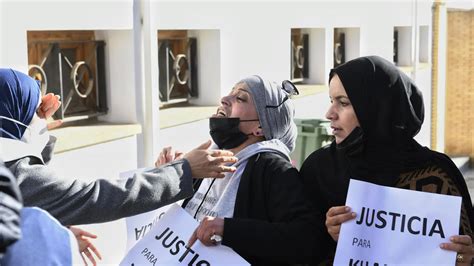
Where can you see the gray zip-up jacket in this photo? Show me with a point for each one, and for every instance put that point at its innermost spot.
(83, 202)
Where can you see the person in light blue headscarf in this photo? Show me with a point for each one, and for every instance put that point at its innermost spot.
(44, 240)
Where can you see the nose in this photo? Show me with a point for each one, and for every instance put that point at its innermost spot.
(331, 113)
(225, 101)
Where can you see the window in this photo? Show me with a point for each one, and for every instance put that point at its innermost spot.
(299, 55)
(308, 55)
(346, 45)
(177, 66)
(70, 64)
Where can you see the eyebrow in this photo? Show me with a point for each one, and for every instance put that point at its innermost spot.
(240, 89)
(340, 97)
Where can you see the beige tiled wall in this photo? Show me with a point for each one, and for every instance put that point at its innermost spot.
(460, 84)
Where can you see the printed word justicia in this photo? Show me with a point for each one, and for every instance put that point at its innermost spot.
(400, 222)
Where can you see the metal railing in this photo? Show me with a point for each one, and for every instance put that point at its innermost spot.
(76, 71)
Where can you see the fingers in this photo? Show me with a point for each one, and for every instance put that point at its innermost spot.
(90, 257)
(205, 236)
(193, 238)
(207, 228)
(169, 154)
(460, 244)
(83, 259)
(225, 159)
(178, 155)
(462, 239)
(204, 146)
(54, 124)
(337, 210)
(338, 215)
(87, 234)
(220, 171)
(339, 219)
(89, 250)
(219, 153)
(96, 251)
(49, 105)
(48, 112)
(335, 217)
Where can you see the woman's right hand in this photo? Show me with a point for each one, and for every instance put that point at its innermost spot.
(168, 155)
(335, 217)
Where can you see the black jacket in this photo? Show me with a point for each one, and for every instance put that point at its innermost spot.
(272, 223)
(327, 171)
(10, 206)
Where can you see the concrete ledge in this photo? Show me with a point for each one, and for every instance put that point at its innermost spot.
(183, 113)
(421, 66)
(175, 116)
(80, 136)
(309, 89)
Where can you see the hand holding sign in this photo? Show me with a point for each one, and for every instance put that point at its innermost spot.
(165, 244)
(410, 224)
(209, 227)
(337, 216)
(463, 246)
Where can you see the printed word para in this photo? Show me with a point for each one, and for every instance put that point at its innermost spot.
(360, 242)
(149, 256)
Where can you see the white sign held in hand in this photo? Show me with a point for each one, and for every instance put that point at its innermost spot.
(397, 226)
(166, 244)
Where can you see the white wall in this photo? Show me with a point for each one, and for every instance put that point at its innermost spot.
(255, 36)
(119, 75)
(352, 43)
(317, 56)
(209, 62)
(404, 46)
(425, 44)
(21, 16)
(460, 4)
(423, 81)
(236, 39)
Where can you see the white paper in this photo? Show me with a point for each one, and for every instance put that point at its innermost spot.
(165, 244)
(139, 225)
(360, 244)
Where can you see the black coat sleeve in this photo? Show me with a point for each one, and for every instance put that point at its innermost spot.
(10, 206)
(272, 221)
(317, 190)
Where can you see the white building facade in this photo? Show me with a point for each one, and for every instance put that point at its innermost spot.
(235, 39)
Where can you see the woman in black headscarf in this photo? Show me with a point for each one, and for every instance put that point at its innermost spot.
(375, 112)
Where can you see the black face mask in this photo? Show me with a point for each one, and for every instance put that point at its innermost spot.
(226, 133)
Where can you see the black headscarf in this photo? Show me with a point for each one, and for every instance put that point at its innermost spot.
(390, 111)
(389, 107)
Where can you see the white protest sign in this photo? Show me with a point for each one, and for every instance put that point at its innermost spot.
(397, 227)
(139, 225)
(166, 244)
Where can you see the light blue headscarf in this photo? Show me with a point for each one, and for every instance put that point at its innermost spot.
(44, 241)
